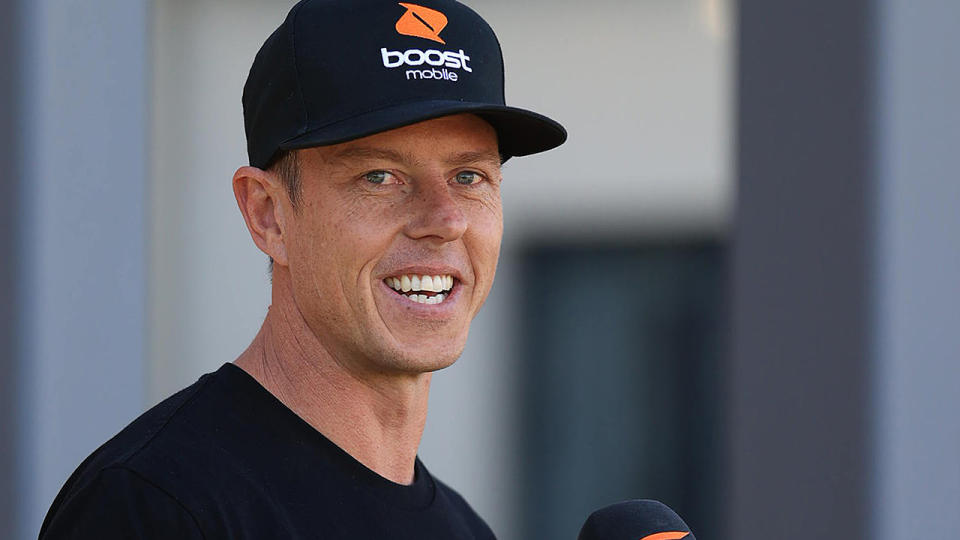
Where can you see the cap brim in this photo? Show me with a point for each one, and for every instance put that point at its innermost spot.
(520, 132)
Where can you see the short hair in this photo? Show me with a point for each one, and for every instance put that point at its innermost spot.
(286, 165)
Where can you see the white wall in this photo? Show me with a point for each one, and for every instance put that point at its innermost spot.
(209, 286)
(644, 90)
(642, 86)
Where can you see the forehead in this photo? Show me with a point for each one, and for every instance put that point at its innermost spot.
(450, 140)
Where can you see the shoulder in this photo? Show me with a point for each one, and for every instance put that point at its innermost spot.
(153, 432)
(459, 509)
(119, 503)
(144, 473)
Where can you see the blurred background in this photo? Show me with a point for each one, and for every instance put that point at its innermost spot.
(735, 289)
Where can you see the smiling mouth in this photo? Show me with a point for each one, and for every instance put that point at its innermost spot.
(422, 289)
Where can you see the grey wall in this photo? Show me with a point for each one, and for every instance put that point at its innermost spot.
(80, 245)
(918, 271)
(9, 234)
(800, 385)
(844, 376)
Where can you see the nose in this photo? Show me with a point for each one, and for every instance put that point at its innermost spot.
(436, 213)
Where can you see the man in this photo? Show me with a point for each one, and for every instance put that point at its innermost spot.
(375, 132)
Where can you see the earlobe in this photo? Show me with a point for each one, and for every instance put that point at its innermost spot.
(256, 192)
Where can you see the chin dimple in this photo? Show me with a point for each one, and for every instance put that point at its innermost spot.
(422, 289)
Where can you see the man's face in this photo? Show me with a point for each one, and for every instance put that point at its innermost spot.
(380, 213)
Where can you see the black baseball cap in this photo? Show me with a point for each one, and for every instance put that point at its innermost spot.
(338, 70)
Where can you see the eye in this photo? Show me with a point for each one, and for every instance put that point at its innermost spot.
(380, 177)
(468, 178)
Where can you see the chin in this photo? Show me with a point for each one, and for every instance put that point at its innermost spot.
(423, 361)
(421, 350)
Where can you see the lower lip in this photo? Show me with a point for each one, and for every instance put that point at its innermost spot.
(434, 311)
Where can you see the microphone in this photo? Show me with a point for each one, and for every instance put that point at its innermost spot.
(639, 519)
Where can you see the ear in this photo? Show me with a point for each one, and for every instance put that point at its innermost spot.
(260, 197)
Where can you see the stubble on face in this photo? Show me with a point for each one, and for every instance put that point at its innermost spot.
(394, 205)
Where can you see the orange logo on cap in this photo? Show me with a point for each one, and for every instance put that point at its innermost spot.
(422, 22)
(666, 536)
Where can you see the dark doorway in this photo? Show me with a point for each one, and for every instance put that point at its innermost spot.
(621, 382)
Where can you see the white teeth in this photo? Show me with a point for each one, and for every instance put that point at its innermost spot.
(407, 283)
(424, 299)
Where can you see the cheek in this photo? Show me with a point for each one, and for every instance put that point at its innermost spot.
(490, 221)
(343, 248)
(314, 254)
(484, 236)
(330, 231)
(485, 212)
(313, 242)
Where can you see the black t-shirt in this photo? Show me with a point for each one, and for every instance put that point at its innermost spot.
(224, 458)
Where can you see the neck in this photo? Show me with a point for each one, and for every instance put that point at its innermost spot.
(376, 418)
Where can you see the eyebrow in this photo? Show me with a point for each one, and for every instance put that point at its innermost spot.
(491, 157)
(366, 152)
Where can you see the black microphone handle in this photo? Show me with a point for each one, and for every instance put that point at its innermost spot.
(639, 519)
